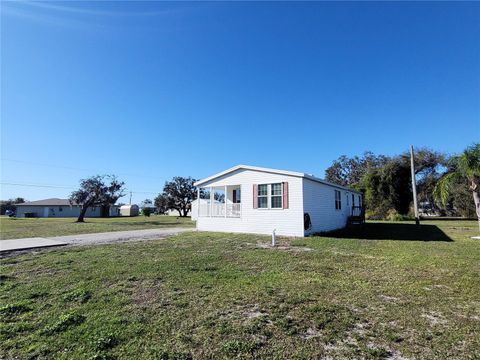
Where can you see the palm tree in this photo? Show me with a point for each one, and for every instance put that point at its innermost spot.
(465, 166)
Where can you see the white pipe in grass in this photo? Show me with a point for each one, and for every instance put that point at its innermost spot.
(273, 237)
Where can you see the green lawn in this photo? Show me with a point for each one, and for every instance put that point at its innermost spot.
(207, 295)
(13, 228)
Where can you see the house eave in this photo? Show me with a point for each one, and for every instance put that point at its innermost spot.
(248, 167)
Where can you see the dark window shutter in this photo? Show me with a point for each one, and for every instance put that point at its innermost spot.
(285, 195)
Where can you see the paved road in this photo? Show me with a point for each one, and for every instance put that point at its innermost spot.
(90, 239)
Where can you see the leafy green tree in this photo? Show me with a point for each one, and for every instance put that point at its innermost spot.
(426, 161)
(146, 207)
(459, 202)
(10, 204)
(465, 168)
(97, 191)
(386, 188)
(347, 171)
(179, 194)
(161, 203)
(146, 211)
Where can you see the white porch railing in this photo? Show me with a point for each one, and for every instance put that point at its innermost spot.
(234, 210)
(220, 210)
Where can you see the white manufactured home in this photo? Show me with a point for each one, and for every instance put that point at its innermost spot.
(257, 200)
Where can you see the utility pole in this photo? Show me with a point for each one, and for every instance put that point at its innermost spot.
(130, 198)
(414, 187)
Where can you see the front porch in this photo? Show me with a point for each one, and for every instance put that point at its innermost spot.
(219, 201)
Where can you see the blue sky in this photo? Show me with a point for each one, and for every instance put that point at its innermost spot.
(153, 90)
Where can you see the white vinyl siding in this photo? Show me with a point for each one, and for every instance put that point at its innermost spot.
(319, 203)
(287, 222)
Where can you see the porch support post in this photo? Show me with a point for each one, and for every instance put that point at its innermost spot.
(225, 200)
(198, 203)
(211, 200)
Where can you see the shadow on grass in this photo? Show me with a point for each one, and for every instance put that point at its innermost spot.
(389, 231)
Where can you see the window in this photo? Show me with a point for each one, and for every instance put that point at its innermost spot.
(270, 196)
(353, 200)
(276, 195)
(262, 196)
(60, 209)
(338, 200)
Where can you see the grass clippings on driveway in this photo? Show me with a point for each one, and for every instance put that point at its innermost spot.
(207, 295)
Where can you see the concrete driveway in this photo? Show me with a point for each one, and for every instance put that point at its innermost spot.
(89, 239)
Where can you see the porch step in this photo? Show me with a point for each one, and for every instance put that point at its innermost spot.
(355, 220)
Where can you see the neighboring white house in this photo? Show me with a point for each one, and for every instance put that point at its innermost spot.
(261, 200)
(60, 208)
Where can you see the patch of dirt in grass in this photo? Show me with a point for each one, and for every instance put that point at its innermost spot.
(360, 329)
(341, 253)
(253, 314)
(43, 271)
(434, 318)
(248, 311)
(353, 342)
(310, 333)
(389, 299)
(340, 348)
(145, 293)
(283, 247)
(472, 317)
(437, 286)
(394, 355)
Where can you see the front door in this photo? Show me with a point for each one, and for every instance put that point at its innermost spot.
(45, 212)
(236, 196)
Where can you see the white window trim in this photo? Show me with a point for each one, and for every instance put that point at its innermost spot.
(269, 197)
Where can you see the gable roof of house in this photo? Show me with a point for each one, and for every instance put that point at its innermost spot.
(47, 202)
(272, 171)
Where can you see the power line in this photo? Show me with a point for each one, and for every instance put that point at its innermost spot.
(37, 185)
(64, 187)
(77, 169)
